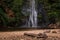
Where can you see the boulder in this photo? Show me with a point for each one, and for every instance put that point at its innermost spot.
(30, 34)
(42, 35)
(54, 31)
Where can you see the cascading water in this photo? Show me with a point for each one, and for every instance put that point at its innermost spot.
(30, 9)
(33, 15)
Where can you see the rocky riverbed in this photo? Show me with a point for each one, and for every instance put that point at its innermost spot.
(31, 35)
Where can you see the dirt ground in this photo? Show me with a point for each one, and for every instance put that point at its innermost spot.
(52, 34)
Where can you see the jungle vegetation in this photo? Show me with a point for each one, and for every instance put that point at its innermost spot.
(11, 12)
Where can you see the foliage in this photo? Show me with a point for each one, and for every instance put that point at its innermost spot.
(52, 8)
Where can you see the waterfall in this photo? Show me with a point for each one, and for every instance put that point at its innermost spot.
(33, 15)
(29, 8)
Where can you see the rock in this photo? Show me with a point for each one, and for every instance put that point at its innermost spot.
(21, 39)
(47, 31)
(30, 34)
(53, 38)
(42, 35)
(54, 32)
